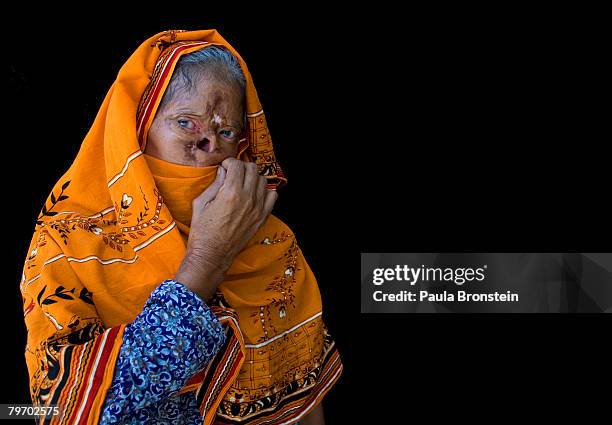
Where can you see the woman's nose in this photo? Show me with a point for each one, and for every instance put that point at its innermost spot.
(208, 144)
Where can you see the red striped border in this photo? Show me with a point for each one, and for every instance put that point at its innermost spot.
(158, 84)
(95, 371)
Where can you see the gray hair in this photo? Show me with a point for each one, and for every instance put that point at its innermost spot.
(213, 62)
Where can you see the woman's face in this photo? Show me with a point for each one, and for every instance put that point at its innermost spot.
(198, 127)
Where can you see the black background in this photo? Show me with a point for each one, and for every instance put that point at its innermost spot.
(399, 131)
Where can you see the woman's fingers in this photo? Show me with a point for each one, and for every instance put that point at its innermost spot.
(219, 179)
(251, 178)
(235, 173)
(270, 197)
(261, 191)
(269, 202)
(211, 191)
(244, 177)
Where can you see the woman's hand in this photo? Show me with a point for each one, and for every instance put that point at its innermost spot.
(225, 217)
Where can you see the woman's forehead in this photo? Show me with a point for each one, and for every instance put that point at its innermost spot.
(209, 95)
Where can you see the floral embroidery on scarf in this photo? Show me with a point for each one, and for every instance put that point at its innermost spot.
(281, 285)
(96, 224)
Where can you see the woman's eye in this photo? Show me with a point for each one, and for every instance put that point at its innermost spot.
(228, 134)
(186, 124)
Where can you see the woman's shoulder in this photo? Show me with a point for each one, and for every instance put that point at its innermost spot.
(274, 225)
(277, 222)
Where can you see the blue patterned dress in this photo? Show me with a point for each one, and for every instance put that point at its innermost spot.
(175, 336)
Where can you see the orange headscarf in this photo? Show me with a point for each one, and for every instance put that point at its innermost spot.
(106, 237)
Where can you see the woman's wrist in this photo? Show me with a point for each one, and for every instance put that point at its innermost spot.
(200, 275)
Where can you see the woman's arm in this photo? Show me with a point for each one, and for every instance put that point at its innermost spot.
(174, 337)
(90, 371)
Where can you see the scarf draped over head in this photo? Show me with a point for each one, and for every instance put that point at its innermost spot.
(114, 227)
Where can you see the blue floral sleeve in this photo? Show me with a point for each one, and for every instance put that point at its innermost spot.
(175, 336)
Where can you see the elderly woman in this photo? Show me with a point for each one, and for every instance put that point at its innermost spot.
(158, 286)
